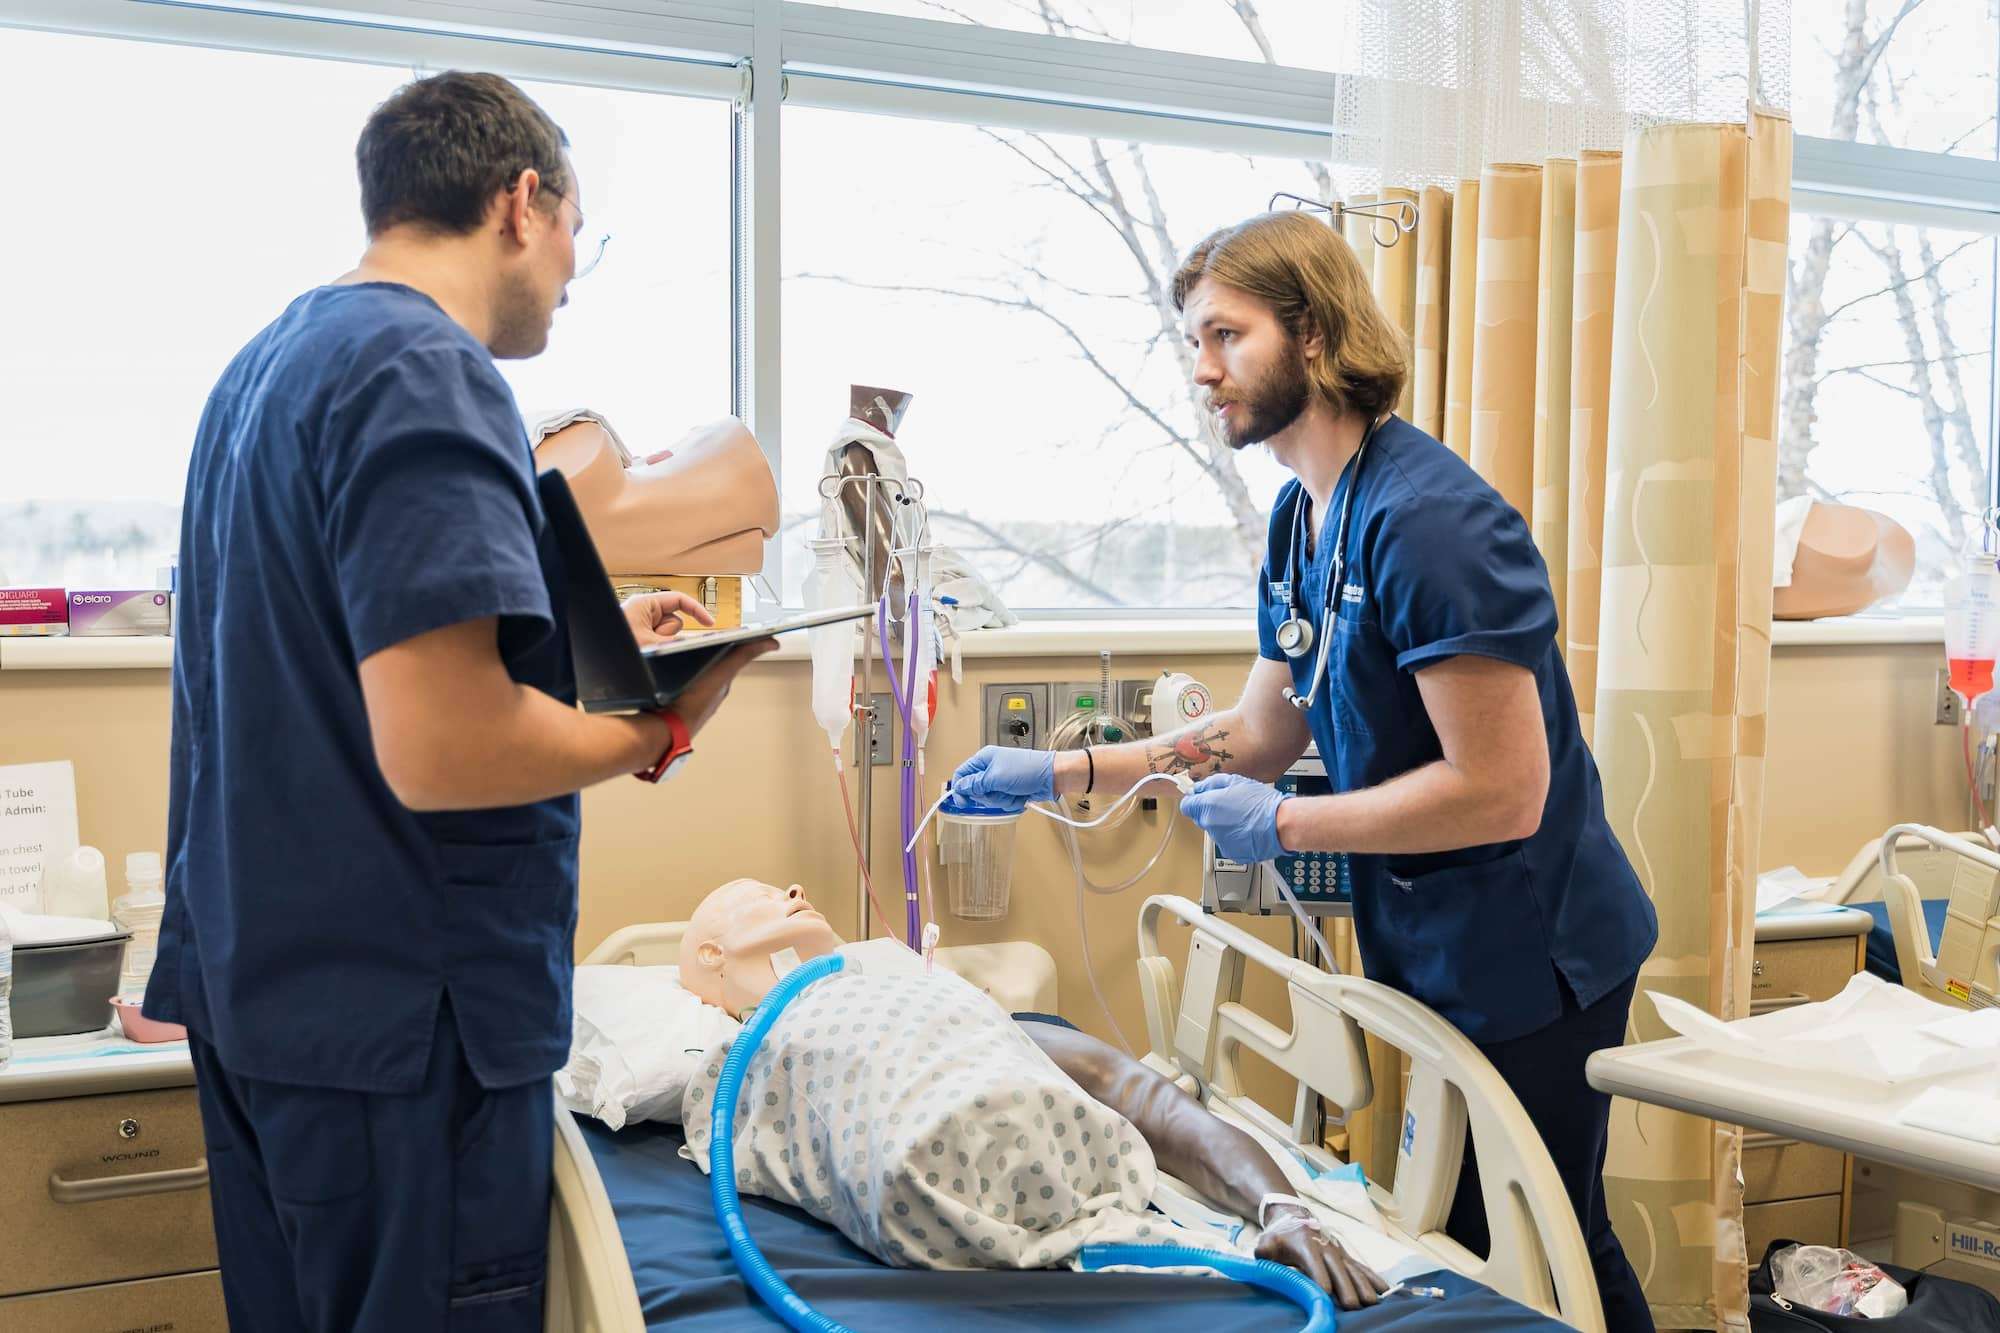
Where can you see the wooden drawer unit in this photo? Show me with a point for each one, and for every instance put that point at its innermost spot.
(1775, 1169)
(1796, 971)
(186, 1303)
(1813, 1221)
(102, 1189)
(1793, 1189)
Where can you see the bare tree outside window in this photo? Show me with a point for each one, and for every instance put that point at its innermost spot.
(1126, 497)
(1888, 372)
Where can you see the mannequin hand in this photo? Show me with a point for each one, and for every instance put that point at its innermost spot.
(655, 617)
(1351, 1283)
(1007, 778)
(1240, 814)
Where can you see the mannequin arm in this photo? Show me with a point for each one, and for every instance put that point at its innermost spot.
(1216, 1159)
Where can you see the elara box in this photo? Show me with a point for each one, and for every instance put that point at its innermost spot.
(103, 612)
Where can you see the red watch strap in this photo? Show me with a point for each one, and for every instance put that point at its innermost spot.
(679, 745)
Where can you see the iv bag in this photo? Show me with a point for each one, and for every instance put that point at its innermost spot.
(923, 642)
(1972, 626)
(832, 584)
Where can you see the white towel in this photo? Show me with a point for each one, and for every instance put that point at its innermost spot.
(541, 425)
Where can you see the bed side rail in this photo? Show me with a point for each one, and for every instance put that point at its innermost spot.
(1916, 959)
(1198, 1028)
(648, 944)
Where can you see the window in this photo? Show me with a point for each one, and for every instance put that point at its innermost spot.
(168, 239)
(1917, 76)
(1303, 34)
(980, 203)
(1887, 397)
(1017, 285)
(645, 337)
(1887, 393)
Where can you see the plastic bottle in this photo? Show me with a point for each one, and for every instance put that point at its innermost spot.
(74, 886)
(6, 991)
(139, 911)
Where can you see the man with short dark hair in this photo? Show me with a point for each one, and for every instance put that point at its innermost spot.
(371, 884)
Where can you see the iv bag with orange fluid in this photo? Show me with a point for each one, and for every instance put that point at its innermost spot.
(1972, 625)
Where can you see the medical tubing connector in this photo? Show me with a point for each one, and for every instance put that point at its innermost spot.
(757, 1272)
(1275, 1278)
(1181, 782)
(763, 1279)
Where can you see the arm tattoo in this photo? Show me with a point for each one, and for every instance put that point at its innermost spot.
(1199, 753)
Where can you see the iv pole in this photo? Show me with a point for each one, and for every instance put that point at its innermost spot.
(883, 496)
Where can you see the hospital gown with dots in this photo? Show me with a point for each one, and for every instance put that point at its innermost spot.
(913, 1115)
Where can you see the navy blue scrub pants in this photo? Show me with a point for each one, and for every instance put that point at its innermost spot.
(1545, 1070)
(362, 1211)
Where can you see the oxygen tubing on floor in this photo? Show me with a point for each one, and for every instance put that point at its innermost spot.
(763, 1279)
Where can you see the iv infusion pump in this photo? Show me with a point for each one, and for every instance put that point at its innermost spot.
(1321, 881)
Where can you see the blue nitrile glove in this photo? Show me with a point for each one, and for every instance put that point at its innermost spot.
(1006, 778)
(1240, 814)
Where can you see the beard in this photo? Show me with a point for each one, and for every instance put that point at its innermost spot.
(520, 320)
(1270, 405)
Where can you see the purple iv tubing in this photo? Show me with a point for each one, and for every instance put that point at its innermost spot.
(904, 693)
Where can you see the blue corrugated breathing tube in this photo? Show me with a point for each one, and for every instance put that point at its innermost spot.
(761, 1278)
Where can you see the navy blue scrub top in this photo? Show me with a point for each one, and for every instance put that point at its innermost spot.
(360, 476)
(1439, 565)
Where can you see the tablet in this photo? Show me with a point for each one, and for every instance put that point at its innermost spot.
(613, 675)
(694, 640)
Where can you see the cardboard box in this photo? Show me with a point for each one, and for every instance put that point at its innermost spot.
(105, 612)
(25, 611)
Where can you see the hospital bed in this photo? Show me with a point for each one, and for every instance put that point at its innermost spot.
(1907, 925)
(633, 1244)
(1925, 1198)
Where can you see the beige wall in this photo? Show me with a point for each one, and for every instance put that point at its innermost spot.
(1851, 750)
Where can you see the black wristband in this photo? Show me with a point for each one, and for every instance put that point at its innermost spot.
(1090, 777)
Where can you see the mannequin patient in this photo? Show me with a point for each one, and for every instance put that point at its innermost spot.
(912, 1113)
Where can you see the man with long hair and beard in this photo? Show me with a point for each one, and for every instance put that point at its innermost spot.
(1406, 626)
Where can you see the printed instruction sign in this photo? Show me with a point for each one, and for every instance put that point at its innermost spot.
(37, 825)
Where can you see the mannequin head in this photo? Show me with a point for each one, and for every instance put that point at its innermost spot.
(726, 953)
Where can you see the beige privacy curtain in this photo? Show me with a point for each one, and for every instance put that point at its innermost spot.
(1600, 337)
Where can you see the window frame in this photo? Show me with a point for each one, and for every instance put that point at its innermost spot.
(1875, 183)
(761, 54)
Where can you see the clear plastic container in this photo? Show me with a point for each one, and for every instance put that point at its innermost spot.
(139, 911)
(976, 848)
(73, 885)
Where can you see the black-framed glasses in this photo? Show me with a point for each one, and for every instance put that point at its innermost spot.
(594, 244)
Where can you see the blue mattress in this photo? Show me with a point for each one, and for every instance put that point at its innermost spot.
(687, 1281)
(1882, 938)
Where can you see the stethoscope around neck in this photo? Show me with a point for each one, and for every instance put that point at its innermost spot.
(1296, 634)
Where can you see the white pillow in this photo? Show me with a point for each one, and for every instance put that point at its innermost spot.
(638, 1038)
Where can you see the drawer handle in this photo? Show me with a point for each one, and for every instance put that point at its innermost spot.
(126, 1187)
(1773, 1003)
(1754, 1139)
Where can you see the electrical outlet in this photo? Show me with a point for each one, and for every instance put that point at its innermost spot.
(1948, 706)
(881, 729)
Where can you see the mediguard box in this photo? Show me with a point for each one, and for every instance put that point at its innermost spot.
(25, 611)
